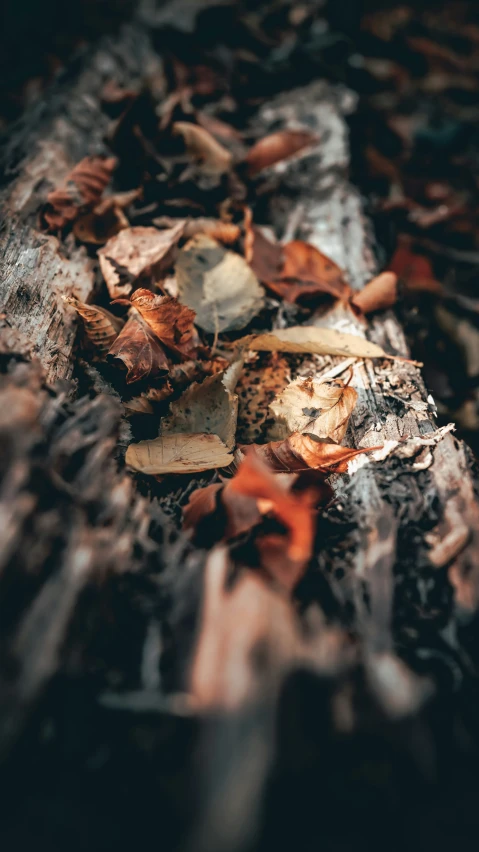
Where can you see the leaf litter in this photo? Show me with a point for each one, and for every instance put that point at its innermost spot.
(210, 312)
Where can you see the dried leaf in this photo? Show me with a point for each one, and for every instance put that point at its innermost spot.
(138, 405)
(305, 272)
(265, 257)
(300, 452)
(202, 146)
(139, 349)
(178, 454)
(82, 188)
(223, 232)
(96, 228)
(277, 147)
(238, 506)
(414, 270)
(171, 322)
(139, 251)
(106, 219)
(318, 341)
(101, 327)
(320, 408)
(211, 407)
(378, 294)
(218, 284)
(257, 387)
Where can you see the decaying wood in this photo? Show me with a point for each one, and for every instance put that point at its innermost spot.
(92, 590)
(41, 149)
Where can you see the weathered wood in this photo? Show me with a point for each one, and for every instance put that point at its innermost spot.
(40, 150)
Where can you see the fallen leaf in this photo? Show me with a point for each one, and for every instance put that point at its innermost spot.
(82, 188)
(139, 251)
(320, 408)
(313, 340)
(306, 272)
(138, 405)
(171, 322)
(211, 407)
(96, 228)
(378, 294)
(139, 349)
(257, 387)
(203, 147)
(414, 270)
(277, 147)
(101, 327)
(181, 453)
(300, 452)
(223, 232)
(225, 512)
(218, 285)
(264, 256)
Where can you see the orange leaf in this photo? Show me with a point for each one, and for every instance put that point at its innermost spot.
(171, 321)
(378, 294)
(307, 271)
(301, 452)
(82, 188)
(414, 270)
(139, 349)
(277, 147)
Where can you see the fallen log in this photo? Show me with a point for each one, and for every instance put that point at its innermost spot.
(98, 601)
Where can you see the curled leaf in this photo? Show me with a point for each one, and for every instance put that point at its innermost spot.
(278, 147)
(82, 188)
(171, 321)
(139, 349)
(378, 294)
(138, 251)
(305, 272)
(202, 146)
(224, 232)
(225, 512)
(96, 227)
(314, 340)
(218, 285)
(300, 452)
(211, 407)
(101, 327)
(180, 453)
(320, 408)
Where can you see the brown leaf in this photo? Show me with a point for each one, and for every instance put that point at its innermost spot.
(101, 327)
(83, 188)
(314, 340)
(305, 272)
(223, 232)
(265, 257)
(238, 506)
(180, 453)
(257, 386)
(139, 349)
(378, 294)
(277, 147)
(211, 407)
(218, 285)
(171, 321)
(320, 408)
(300, 452)
(203, 147)
(139, 251)
(137, 405)
(106, 219)
(414, 270)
